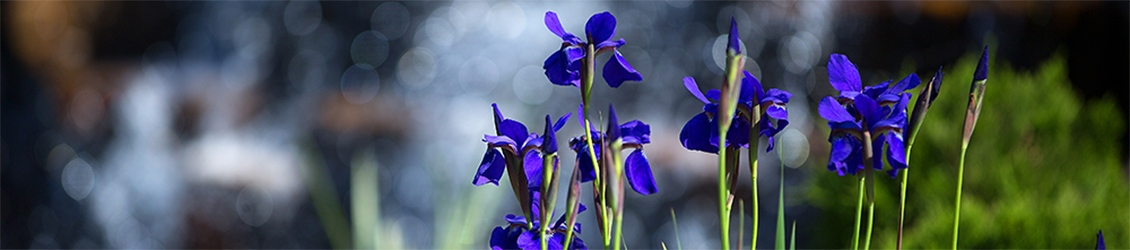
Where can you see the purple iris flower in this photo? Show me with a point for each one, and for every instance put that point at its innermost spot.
(563, 67)
(701, 132)
(633, 134)
(513, 140)
(879, 110)
(516, 236)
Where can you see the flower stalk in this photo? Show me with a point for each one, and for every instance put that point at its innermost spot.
(925, 100)
(972, 112)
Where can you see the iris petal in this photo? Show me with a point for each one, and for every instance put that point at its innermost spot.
(831, 110)
(735, 42)
(557, 69)
(611, 44)
(751, 89)
(490, 169)
(561, 121)
(896, 150)
(600, 27)
(842, 74)
(617, 71)
(554, 24)
(638, 172)
(696, 134)
(636, 132)
(533, 167)
(692, 87)
(777, 112)
(877, 152)
(982, 71)
(776, 96)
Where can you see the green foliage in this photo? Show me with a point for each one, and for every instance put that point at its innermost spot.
(1042, 170)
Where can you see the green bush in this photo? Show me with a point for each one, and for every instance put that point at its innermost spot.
(1042, 170)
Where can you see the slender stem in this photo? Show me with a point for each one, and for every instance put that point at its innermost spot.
(586, 92)
(858, 214)
(869, 167)
(870, 222)
(902, 195)
(546, 210)
(781, 211)
(957, 204)
(619, 193)
(741, 223)
(723, 214)
(753, 151)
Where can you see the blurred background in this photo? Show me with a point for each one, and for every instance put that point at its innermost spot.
(304, 124)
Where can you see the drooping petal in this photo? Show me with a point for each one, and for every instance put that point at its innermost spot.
(600, 27)
(767, 130)
(843, 75)
(612, 132)
(617, 70)
(498, 239)
(557, 69)
(982, 71)
(638, 172)
(832, 111)
(490, 169)
(533, 166)
(692, 87)
(635, 132)
(777, 112)
(842, 149)
(696, 134)
(738, 133)
(896, 150)
(735, 42)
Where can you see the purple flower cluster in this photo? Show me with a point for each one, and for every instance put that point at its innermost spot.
(563, 67)
(701, 132)
(633, 134)
(877, 112)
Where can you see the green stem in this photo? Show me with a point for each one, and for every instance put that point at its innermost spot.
(781, 211)
(902, 195)
(723, 213)
(619, 192)
(753, 151)
(957, 203)
(586, 92)
(858, 215)
(870, 222)
(869, 167)
(546, 210)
